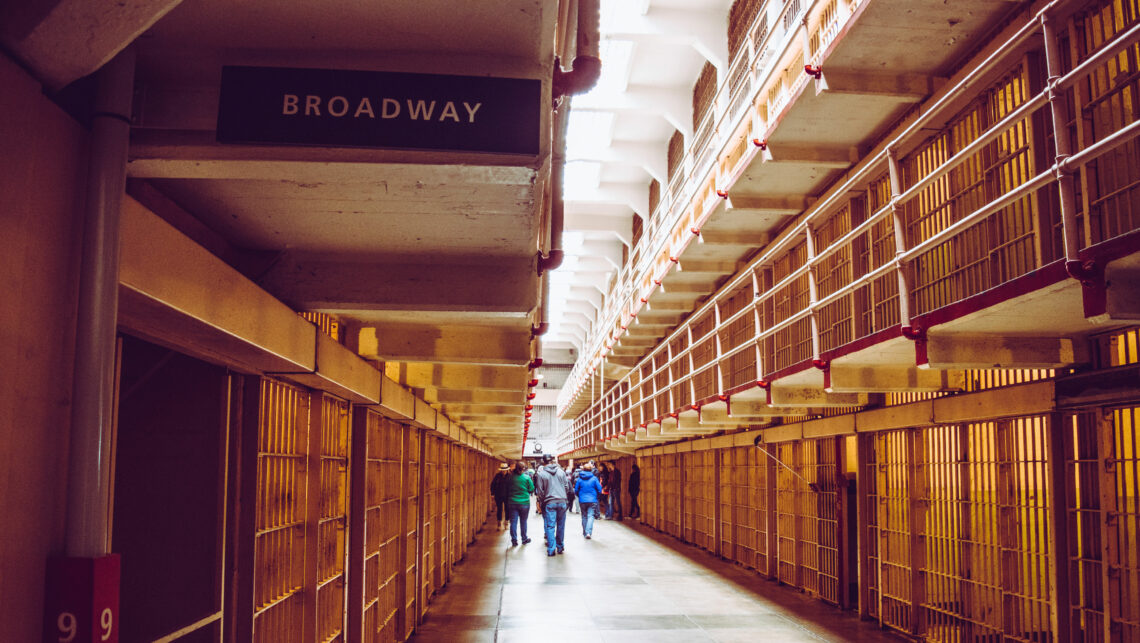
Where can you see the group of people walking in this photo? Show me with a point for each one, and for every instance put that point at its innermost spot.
(555, 490)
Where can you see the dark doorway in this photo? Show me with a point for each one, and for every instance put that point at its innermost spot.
(169, 485)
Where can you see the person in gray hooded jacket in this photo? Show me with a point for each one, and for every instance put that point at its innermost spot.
(552, 489)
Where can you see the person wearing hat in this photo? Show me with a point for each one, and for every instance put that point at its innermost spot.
(499, 492)
(552, 488)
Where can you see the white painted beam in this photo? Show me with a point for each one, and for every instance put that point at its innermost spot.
(674, 104)
(703, 30)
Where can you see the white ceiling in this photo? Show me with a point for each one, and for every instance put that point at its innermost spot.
(618, 139)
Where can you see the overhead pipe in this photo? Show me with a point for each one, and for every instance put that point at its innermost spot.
(587, 66)
(89, 452)
(581, 77)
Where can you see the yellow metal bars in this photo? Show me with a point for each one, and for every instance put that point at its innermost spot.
(337, 546)
(893, 529)
(282, 483)
(1103, 517)
(787, 525)
(384, 525)
(331, 519)
(1123, 533)
(1107, 104)
(413, 520)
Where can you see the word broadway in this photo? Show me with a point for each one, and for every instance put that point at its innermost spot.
(311, 105)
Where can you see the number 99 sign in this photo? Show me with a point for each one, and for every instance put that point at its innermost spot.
(68, 626)
(82, 601)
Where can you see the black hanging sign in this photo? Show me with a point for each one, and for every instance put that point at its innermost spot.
(348, 108)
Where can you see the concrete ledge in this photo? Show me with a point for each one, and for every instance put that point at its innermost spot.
(895, 417)
(342, 373)
(175, 293)
(1023, 399)
(425, 415)
(396, 401)
(825, 427)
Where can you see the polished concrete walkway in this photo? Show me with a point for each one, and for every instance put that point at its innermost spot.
(629, 583)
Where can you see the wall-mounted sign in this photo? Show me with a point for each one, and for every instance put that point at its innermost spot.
(348, 108)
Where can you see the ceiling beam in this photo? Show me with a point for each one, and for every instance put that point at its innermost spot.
(702, 30)
(445, 344)
(62, 41)
(458, 376)
(506, 286)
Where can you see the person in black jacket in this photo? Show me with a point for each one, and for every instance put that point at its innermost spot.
(634, 490)
(499, 492)
(615, 493)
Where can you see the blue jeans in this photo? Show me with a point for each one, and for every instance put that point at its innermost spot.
(608, 508)
(518, 513)
(554, 519)
(588, 518)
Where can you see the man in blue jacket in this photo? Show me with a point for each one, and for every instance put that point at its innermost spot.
(587, 487)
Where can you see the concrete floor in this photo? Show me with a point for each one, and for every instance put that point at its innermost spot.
(629, 583)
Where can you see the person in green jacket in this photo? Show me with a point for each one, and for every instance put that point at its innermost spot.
(520, 487)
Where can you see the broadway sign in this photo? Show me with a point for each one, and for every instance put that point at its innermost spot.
(379, 109)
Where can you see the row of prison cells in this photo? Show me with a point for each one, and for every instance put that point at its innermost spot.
(1006, 509)
(326, 521)
(1018, 521)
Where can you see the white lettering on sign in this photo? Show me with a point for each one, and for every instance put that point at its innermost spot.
(390, 108)
(67, 626)
(415, 110)
(312, 105)
(365, 107)
(338, 106)
(471, 111)
(449, 112)
(106, 622)
(290, 106)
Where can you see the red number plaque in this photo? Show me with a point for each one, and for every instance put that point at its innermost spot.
(82, 601)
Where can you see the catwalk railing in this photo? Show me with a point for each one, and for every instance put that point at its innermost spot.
(985, 201)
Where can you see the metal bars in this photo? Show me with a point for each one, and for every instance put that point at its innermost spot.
(332, 519)
(338, 546)
(384, 526)
(282, 483)
(1103, 517)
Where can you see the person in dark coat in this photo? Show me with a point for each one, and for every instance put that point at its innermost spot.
(499, 492)
(603, 506)
(587, 487)
(615, 493)
(634, 490)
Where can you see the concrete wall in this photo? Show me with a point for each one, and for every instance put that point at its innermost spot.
(42, 169)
